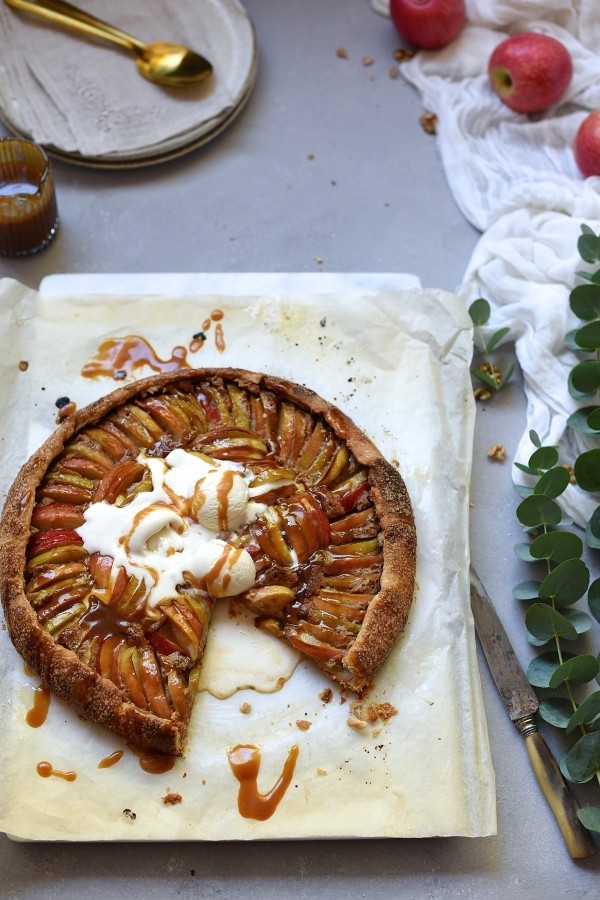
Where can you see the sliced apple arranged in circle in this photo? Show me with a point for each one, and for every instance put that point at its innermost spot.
(147, 508)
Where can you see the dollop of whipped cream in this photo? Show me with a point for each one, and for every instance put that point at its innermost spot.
(173, 529)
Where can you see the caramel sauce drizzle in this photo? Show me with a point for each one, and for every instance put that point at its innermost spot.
(111, 760)
(244, 761)
(119, 357)
(153, 763)
(36, 716)
(45, 770)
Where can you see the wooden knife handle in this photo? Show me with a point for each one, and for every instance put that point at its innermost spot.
(555, 790)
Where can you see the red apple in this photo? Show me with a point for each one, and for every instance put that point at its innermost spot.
(530, 71)
(429, 24)
(587, 145)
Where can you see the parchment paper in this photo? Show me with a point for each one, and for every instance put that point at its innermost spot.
(398, 363)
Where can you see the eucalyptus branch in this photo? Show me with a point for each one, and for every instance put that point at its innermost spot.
(551, 618)
(488, 371)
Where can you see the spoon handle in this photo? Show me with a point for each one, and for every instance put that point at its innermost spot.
(63, 13)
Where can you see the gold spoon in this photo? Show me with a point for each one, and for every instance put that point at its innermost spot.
(169, 64)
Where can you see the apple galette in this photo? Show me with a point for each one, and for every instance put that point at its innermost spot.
(149, 506)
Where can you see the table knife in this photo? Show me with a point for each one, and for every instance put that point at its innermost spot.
(522, 704)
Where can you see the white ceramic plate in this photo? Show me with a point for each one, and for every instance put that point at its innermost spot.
(74, 95)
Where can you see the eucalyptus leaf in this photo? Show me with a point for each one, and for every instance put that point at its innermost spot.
(485, 378)
(580, 621)
(592, 530)
(588, 337)
(584, 379)
(571, 342)
(527, 590)
(556, 711)
(566, 583)
(538, 510)
(586, 419)
(535, 438)
(587, 470)
(523, 468)
(523, 490)
(544, 623)
(585, 301)
(543, 458)
(586, 712)
(557, 546)
(594, 599)
(593, 420)
(553, 482)
(583, 759)
(536, 642)
(480, 310)
(588, 246)
(523, 552)
(506, 377)
(582, 668)
(541, 669)
(495, 339)
(589, 817)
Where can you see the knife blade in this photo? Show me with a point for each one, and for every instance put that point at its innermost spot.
(522, 704)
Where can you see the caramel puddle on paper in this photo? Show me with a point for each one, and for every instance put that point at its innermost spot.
(244, 761)
(111, 760)
(120, 357)
(45, 770)
(153, 763)
(36, 716)
(240, 656)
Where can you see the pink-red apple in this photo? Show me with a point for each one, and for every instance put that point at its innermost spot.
(587, 145)
(530, 71)
(429, 24)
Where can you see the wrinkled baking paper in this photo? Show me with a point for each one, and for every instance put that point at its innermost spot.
(397, 363)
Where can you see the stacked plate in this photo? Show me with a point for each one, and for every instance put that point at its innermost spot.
(85, 101)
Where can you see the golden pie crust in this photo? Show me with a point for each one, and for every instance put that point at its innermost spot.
(343, 600)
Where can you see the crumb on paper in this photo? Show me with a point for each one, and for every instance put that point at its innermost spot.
(129, 814)
(393, 71)
(245, 707)
(429, 122)
(303, 724)
(321, 771)
(341, 53)
(23, 365)
(318, 259)
(368, 714)
(403, 55)
(497, 452)
(326, 695)
(367, 60)
(482, 393)
(311, 157)
(172, 799)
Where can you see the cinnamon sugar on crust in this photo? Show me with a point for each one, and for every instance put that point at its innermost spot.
(99, 699)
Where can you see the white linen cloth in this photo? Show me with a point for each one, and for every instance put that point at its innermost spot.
(514, 177)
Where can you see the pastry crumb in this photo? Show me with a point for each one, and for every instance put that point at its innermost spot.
(482, 393)
(341, 53)
(370, 713)
(497, 452)
(303, 724)
(393, 71)
(321, 771)
(326, 695)
(172, 799)
(429, 122)
(129, 814)
(245, 707)
(355, 722)
(23, 365)
(367, 60)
